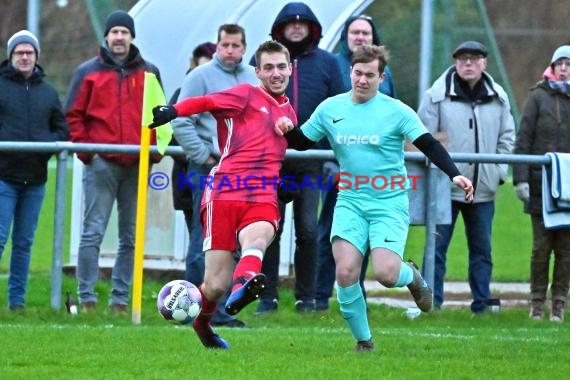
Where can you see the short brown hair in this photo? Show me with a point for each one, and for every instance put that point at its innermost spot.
(232, 29)
(270, 47)
(368, 53)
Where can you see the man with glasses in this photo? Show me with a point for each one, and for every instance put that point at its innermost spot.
(30, 111)
(473, 111)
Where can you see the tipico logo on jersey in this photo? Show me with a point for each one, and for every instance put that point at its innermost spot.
(357, 139)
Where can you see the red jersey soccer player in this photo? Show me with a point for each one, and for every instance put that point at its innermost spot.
(241, 200)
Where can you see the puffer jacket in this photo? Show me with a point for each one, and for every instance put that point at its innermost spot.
(484, 125)
(105, 101)
(30, 111)
(544, 127)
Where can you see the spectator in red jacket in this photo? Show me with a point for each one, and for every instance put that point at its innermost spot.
(105, 106)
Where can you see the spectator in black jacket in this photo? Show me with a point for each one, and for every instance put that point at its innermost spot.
(30, 111)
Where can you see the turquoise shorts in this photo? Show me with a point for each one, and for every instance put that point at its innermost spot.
(369, 224)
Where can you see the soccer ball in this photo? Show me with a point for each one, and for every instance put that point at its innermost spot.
(179, 301)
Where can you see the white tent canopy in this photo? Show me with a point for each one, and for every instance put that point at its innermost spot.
(168, 30)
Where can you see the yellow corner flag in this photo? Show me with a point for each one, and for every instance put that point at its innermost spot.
(154, 96)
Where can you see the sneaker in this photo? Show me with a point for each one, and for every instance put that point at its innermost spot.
(118, 309)
(246, 294)
(208, 336)
(536, 310)
(232, 323)
(422, 293)
(557, 314)
(88, 306)
(267, 306)
(321, 305)
(305, 306)
(364, 346)
(17, 308)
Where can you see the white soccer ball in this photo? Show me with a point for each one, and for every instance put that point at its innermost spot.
(179, 301)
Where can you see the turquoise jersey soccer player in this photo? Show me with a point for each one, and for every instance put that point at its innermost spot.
(366, 131)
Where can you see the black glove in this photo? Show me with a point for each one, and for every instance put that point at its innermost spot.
(162, 115)
(288, 190)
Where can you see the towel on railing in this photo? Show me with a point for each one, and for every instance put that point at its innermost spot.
(561, 179)
(556, 191)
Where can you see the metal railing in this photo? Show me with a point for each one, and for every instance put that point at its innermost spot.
(63, 150)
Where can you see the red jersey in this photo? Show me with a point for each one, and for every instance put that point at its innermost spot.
(251, 152)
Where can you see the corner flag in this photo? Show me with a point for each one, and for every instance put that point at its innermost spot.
(154, 96)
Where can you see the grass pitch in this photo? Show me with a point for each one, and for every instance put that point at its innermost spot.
(452, 344)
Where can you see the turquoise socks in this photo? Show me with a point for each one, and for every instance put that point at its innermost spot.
(353, 309)
(406, 275)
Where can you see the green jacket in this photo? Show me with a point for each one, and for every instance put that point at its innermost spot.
(544, 127)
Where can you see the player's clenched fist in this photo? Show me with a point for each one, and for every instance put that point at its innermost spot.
(283, 125)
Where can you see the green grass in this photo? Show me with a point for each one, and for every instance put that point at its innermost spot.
(43, 343)
(512, 242)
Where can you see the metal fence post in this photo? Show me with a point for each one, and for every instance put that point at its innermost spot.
(431, 222)
(58, 226)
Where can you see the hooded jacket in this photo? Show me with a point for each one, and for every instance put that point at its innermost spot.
(344, 57)
(544, 127)
(30, 111)
(482, 125)
(105, 100)
(316, 74)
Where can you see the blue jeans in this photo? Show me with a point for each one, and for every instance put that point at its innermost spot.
(104, 182)
(20, 207)
(326, 266)
(478, 220)
(195, 261)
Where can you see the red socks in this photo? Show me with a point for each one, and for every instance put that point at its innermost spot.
(208, 309)
(246, 268)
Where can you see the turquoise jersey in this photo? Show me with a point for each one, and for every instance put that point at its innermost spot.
(368, 142)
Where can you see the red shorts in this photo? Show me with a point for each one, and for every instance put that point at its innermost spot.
(223, 220)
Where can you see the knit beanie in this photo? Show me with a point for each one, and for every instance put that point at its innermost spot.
(562, 52)
(120, 18)
(22, 37)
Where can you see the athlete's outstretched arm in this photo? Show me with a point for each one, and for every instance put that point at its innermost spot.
(439, 156)
(186, 107)
(298, 141)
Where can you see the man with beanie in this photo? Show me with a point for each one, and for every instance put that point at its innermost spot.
(545, 127)
(474, 113)
(105, 106)
(316, 76)
(30, 111)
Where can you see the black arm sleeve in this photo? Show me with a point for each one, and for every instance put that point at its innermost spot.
(437, 154)
(297, 140)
